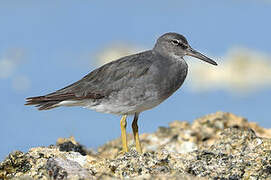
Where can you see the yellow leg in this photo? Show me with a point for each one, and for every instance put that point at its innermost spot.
(123, 133)
(135, 132)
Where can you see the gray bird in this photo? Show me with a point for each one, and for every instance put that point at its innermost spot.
(129, 85)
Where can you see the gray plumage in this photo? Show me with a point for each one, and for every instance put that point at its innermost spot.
(130, 84)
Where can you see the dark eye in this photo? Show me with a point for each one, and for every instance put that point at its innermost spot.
(184, 46)
(175, 42)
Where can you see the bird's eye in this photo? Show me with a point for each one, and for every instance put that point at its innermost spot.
(184, 46)
(175, 42)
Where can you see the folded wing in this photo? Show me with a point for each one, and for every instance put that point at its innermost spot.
(99, 83)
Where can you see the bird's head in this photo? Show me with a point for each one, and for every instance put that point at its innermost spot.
(176, 45)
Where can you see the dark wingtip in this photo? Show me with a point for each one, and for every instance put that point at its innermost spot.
(28, 101)
(41, 102)
(32, 100)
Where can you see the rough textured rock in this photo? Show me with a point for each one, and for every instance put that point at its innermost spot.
(217, 146)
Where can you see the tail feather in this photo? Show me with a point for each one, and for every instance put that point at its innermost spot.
(52, 100)
(42, 102)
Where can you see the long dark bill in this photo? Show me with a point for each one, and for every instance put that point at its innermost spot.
(196, 54)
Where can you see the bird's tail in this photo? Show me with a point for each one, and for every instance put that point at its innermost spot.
(54, 99)
(43, 102)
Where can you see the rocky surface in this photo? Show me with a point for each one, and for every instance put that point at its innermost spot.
(216, 146)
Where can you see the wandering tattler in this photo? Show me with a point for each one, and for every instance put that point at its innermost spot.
(129, 85)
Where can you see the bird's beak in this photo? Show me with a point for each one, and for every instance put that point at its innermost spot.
(191, 52)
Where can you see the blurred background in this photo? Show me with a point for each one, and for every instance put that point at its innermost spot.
(46, 45)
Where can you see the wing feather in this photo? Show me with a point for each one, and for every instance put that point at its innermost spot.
(100, 82)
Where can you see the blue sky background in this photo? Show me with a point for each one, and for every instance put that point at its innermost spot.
(57, 42)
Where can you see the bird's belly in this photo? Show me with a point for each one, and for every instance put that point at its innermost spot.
(120, 109)
(127, 101)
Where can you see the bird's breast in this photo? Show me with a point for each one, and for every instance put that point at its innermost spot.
(171, 78)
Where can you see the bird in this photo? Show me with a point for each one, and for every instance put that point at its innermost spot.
(129, 85)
